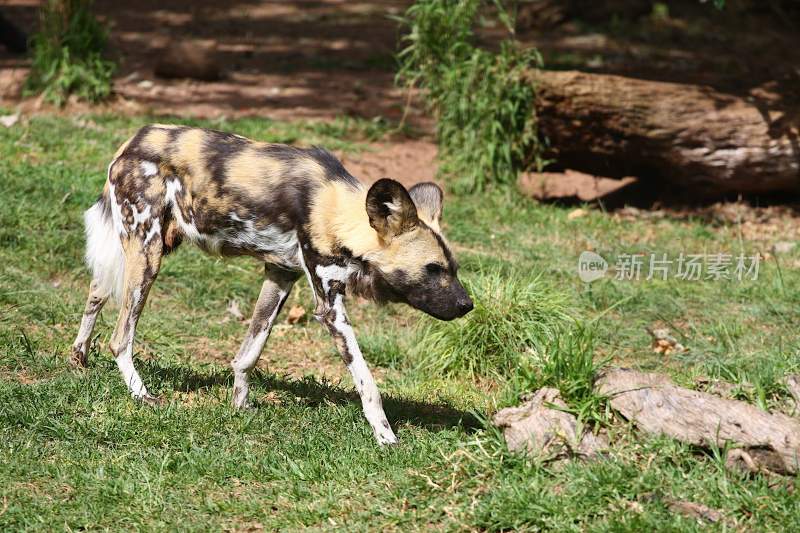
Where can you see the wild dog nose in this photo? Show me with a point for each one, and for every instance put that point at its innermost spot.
(464, 306)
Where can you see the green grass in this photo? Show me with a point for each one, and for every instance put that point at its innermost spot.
(77, 453)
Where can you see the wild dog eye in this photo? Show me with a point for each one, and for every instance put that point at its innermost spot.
(434, 268)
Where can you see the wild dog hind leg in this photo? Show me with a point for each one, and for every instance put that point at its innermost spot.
(104, 257)
(142, 262)
(94, 303)
(276, 288)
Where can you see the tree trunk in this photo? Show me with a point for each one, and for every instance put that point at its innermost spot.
(687, 135)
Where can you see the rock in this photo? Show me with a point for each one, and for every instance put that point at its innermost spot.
(194, 59)
(9, 120)
(664, 343)
(783, 247)
(541, 430)
(576, 213)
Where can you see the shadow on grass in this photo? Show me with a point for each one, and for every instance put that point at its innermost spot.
(314, 392)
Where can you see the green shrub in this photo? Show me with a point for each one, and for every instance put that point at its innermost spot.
(67, 54)
(514, 319)
(484, 101)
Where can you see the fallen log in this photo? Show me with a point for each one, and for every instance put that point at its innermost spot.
(793, 384)
(765, 441)
(692, 136)
(541, 426)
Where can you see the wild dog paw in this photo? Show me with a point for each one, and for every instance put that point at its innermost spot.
(384, 435)
(239, 400)
(387, 440)
(149, 399)
(246, 405)
(78, 358)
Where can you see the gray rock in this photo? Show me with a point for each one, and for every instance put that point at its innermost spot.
(189, 59)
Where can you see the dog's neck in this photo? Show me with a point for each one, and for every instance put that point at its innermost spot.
(339, 220)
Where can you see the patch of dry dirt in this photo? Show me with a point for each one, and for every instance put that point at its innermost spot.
(569, 186)
(407, 161)
(768, 224)
(292, 350)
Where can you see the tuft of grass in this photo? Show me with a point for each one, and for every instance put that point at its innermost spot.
(382, 347)
(68, 54)
(760, 380)
(568, 363)
(483, 100)
(514, 316)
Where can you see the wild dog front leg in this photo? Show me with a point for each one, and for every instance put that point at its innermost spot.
(334, 317)
(276, 288)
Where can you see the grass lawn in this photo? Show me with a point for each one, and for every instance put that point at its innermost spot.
(78, 453)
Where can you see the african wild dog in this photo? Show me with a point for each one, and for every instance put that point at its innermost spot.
(297, 210)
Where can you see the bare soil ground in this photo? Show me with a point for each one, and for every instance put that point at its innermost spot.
(746, 49)
(320, 59)
(280, 59)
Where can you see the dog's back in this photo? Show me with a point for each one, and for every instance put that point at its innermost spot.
(226, 193)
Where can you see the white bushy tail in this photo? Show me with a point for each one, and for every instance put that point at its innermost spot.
(104, 255)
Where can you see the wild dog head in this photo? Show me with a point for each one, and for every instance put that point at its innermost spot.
(413, 263)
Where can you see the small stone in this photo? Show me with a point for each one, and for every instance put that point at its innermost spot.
(664, 342)
(296, 314)
(9, 120)
(577, 213)
(783, 247)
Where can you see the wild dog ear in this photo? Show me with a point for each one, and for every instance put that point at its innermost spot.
(390, 209)
(427, 196)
